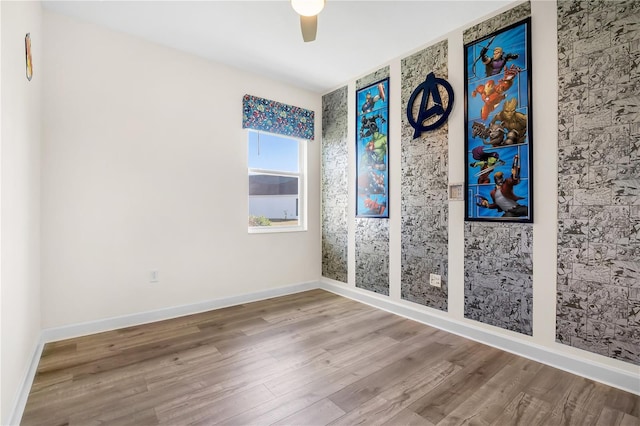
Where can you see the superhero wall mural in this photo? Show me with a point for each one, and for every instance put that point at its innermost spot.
(372, 163)
(498, 136)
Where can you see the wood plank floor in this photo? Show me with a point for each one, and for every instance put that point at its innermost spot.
(311, 358)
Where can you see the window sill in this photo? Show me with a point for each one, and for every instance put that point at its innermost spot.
(275, 229)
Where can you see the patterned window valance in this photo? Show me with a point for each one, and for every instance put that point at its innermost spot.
(275, 117)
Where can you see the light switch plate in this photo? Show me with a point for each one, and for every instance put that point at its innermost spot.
(456, 192)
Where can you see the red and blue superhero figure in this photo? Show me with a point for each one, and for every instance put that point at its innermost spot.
(375, 207)
(492, 94)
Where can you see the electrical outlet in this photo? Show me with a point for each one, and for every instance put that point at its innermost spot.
(154, 277)
(435, 280)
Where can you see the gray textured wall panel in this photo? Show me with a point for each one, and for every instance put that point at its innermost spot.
(372, 255)
(498, 275)
(334, 185)
(598, 290)
(489, 26)
(425, 208)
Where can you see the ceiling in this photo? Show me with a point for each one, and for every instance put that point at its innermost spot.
(354, 37)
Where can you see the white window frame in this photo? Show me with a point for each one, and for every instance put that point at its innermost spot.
(302, 187)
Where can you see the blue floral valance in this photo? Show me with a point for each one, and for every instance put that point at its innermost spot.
(275, 117)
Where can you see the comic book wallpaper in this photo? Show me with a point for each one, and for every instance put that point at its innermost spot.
(372, 165)
(498, 126)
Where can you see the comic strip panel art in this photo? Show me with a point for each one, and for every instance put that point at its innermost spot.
(372, 163)
(498, 137)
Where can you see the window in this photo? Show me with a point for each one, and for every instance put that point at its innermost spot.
(277, 166)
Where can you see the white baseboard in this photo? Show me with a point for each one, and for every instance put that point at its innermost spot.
(23, 393)
(621, 379)
(92, 327)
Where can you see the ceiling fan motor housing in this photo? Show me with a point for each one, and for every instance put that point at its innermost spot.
(307, 7)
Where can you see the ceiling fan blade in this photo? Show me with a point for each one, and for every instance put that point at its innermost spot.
(309, 27)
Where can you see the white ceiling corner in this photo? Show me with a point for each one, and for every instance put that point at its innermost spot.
(354, 37)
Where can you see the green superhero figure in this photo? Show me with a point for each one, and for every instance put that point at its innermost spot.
(487, 161)
(376, 149)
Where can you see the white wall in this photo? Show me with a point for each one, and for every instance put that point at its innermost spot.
(20, 194)
(545, 122)
(145, 168)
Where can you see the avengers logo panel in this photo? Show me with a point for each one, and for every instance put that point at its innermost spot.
(498, 139)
